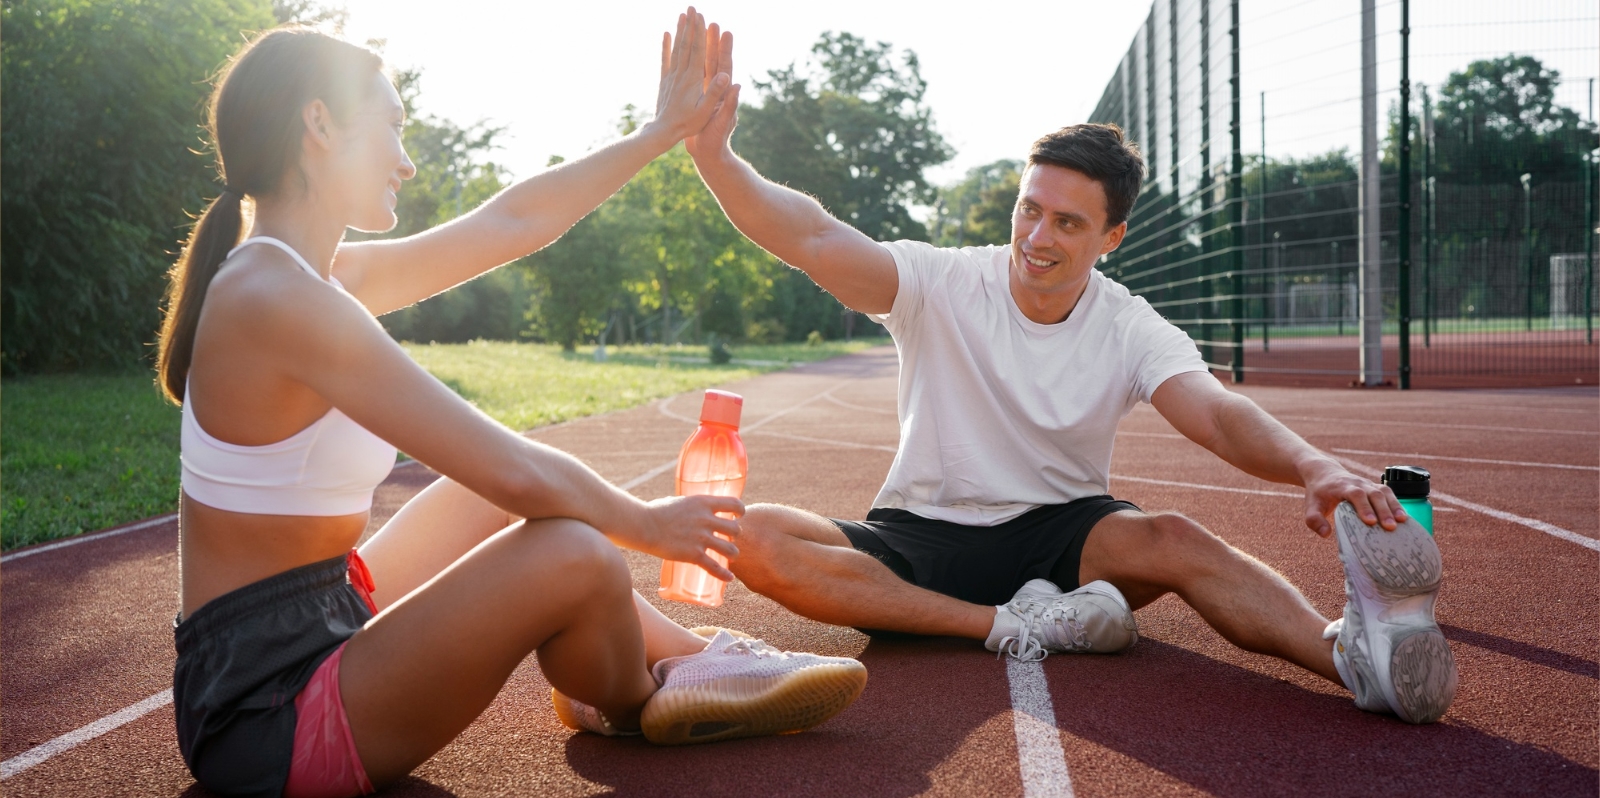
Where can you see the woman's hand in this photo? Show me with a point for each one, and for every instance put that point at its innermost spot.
(681, 528)
(693, 81)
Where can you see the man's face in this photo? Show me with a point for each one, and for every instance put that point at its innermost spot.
(1058, 231)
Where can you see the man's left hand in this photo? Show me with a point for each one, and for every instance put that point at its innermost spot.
(1374, 503)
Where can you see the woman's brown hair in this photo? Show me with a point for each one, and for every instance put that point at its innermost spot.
(254, 124)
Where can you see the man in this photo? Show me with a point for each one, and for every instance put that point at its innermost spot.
(1016, 365)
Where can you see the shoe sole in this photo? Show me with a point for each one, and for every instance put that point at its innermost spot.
(726, 709)
(1405, 567)
(563, 710)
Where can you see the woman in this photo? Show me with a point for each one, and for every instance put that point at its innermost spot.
(298, 670)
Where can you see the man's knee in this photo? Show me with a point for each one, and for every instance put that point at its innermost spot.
(1175, 533)
(768, 537)
(1149, 547)
(761, 532)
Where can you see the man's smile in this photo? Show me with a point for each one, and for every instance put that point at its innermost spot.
(1037, 265)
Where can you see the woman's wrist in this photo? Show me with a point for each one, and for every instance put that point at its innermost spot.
(658, 136)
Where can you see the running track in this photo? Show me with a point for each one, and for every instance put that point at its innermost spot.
(86, 646)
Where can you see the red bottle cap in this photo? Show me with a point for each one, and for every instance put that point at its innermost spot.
(721, 407)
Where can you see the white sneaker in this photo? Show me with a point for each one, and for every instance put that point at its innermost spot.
(742, 687)
(579, 716)
(1040, 620)
(1389, 649)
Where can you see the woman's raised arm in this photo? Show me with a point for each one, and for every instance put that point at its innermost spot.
(532, 213)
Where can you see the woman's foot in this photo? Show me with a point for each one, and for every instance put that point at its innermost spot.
(579, 716)
(742, 687)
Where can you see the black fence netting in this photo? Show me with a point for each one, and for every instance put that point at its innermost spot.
(1266, 127)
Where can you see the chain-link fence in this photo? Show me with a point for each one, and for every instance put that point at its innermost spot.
(1265, 126)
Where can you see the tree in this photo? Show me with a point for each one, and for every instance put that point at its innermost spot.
(852, 130)
(310, 12)
(1498, 119)
(102, 104)
(454, 175)
(977, 210)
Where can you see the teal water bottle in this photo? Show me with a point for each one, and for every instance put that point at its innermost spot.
(1410, 486)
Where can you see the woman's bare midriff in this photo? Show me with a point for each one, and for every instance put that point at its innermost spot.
(221, 551)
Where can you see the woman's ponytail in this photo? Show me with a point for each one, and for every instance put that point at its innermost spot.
(213, 236)
(254, 122)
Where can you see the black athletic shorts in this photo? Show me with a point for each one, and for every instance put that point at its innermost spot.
(983, 564)
(242, 659)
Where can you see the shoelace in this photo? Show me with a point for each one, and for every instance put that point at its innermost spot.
(1022, 645)
(1077, 638)
(1025, 648)
(756, 648)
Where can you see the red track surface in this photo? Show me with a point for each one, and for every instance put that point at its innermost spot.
(85, 630)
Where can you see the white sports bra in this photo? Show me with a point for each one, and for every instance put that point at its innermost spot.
(329, 468)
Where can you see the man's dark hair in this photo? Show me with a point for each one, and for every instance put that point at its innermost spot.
(1101, 153)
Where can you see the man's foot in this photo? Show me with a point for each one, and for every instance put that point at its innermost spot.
(742, 687)
(579, 716)
(1388, 647)
(1040, 620)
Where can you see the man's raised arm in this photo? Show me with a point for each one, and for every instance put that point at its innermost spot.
(789, 224)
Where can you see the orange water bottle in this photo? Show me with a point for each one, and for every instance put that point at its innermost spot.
(712, 463)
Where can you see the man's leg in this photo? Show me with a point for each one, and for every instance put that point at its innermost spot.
(802, 561)
(1149, 555)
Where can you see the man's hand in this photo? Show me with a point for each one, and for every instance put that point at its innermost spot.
(1328, 485)
(714, 137)
(1241, 433)
(681, 528)
(693, 84)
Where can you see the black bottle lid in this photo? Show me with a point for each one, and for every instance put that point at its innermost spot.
(1407, 482)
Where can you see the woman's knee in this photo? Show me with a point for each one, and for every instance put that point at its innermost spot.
(572, 549)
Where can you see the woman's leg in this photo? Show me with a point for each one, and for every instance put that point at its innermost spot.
(436, 528)
(444, 522)
(431, 662)
(663, 637)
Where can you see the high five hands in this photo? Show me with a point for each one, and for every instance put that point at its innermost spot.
(696, 80)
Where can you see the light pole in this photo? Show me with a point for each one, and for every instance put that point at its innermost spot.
(1527, 237)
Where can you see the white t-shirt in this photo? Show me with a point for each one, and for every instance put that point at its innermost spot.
(1000, 414)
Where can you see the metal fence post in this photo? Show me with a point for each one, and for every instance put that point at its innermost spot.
(1207, 284)
(1236, 203)
(1427, 219)
(1405, 194)
(1590, 160)
(1527, 238)
(1369, 253)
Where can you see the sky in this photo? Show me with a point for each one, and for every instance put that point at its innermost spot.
(558, 75)
(1000, 73)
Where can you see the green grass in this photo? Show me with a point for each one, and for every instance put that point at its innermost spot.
(80, 453)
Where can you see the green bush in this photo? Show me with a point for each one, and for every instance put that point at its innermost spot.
(102, 104)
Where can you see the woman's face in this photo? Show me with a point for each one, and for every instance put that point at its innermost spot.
(372, 160)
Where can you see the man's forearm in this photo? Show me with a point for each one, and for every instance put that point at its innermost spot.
(1254, 442)
(778, 219)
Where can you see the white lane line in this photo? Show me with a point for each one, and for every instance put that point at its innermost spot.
(667, 411)
(1033, 719)
(1531, 523)
(82, 734)
(842, 403)
(649, 475)
(1469, 459)
(1121, 433)
(1198, 486)
(1358, 422)
(845, 444)
(145, 524)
